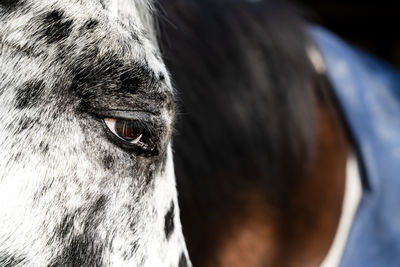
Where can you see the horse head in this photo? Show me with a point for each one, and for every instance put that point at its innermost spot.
(87, 112)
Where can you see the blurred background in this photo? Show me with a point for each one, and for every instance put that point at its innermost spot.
(373, 26)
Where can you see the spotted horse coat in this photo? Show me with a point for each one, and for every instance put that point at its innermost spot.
(73, 191)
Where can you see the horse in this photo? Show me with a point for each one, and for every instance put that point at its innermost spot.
(261, 148)
(87, 112)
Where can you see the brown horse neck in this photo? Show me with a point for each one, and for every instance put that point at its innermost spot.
(299, 234)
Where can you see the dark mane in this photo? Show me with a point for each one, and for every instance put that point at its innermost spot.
(247, 97)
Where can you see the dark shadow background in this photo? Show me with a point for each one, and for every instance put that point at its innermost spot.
(373, 26)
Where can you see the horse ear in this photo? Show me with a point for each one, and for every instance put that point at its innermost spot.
(316, 58)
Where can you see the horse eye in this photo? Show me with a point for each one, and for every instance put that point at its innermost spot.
(133, 134)
(125, 130)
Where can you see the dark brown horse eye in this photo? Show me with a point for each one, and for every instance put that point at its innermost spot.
(127, 131)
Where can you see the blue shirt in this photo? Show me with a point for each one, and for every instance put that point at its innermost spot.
(368, 93)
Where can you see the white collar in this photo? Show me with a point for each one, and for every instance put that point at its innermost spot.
(352, 198)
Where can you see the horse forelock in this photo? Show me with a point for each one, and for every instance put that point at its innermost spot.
(70, 194)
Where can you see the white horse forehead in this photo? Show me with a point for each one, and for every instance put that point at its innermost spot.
(124, 27)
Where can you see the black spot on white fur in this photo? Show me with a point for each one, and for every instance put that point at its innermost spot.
(82, 249)
(10, 5)
(169, 225)
(90, 25)
(129, 253)
(183, 261)
(17, 156)
(43, 147)
(24, 123)
(108, 162)
(66, 225)
(119, 76)
(8, 260)
(56, 27)
(28, 94)
(103, 5)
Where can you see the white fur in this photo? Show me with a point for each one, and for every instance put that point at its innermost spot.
(39, 190)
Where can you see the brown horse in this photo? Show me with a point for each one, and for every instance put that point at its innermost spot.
(260, 147)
